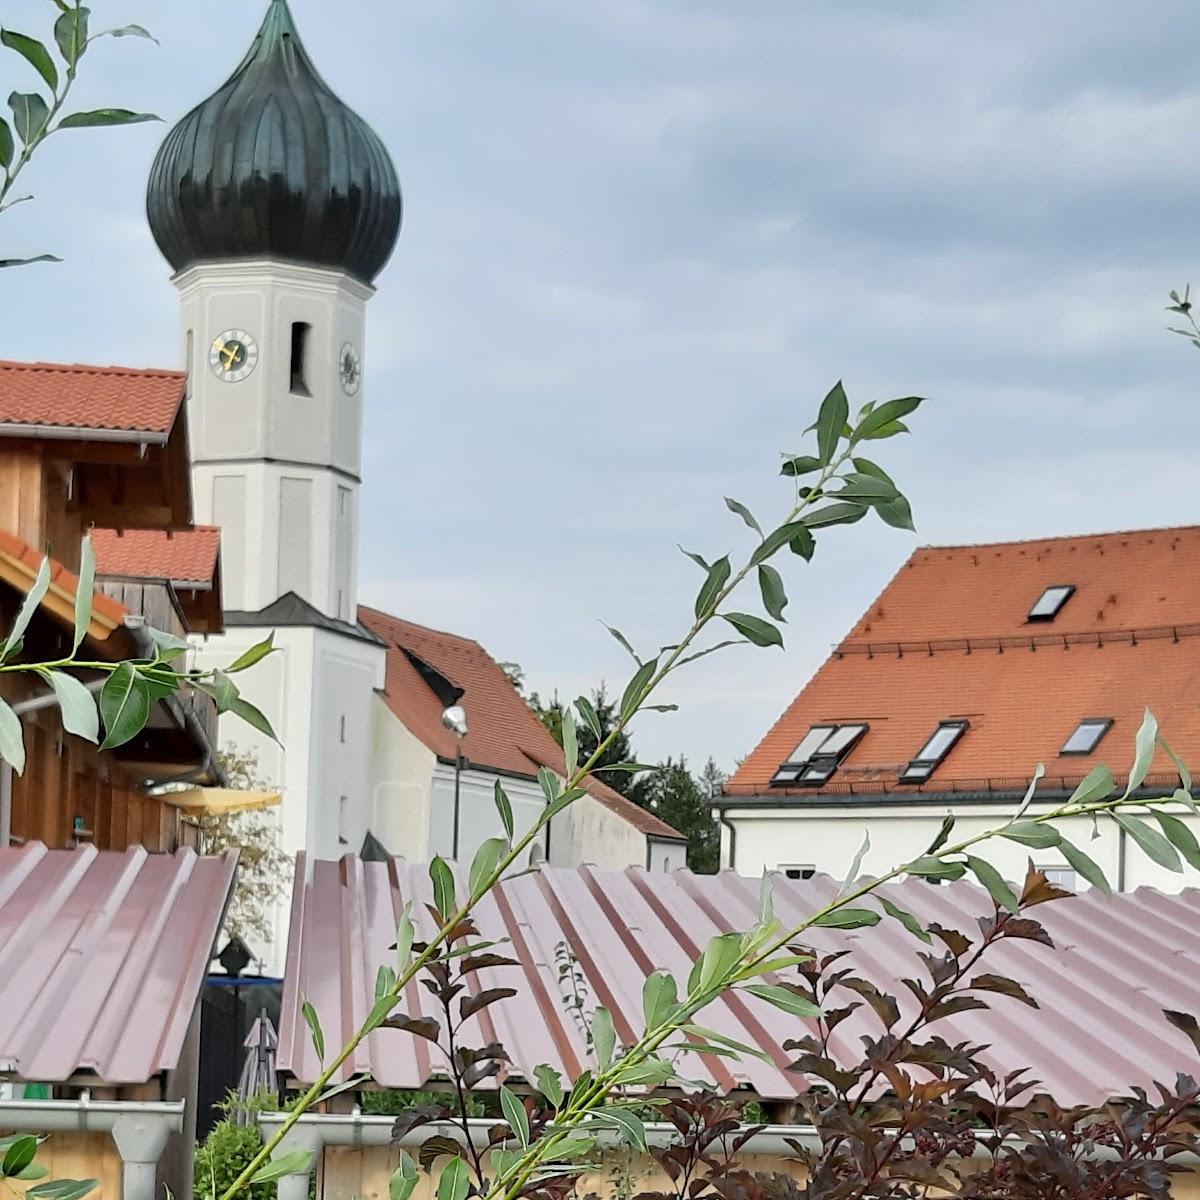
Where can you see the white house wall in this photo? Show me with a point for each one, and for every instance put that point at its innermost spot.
(828, 841)
(401, 777)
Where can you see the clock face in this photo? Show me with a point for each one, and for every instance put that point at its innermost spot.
(233, 355)
(349, 368)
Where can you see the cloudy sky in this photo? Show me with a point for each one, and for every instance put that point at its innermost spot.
(641, 240)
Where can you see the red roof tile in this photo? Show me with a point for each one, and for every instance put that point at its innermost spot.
(20, 551)
(76, 396)
(1117, 963)
(505, 735)
(948, 638)
(181, 556)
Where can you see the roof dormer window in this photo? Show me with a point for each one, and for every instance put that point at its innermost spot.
(929, 757)
(1051, 601)
(819, 754)
(1087, 735)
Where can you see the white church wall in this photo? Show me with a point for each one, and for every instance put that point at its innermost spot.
(478, 818)
(401, 776)
(589, 832)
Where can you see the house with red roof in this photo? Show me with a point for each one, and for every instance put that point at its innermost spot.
(972, 667)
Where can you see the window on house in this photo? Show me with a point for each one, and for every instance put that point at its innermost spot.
(342, 728)
(935, 749)
(299, 368)
(1050, 601)
(1087, 735)
(343, 820)
(1059, 877)
(187, 366)
(820, 751)
(799, 870)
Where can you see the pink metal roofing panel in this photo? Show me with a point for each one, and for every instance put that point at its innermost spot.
(102, 955)
(1117, 963)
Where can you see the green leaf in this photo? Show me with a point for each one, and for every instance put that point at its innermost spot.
(755, 629)
(658, 998)
(897, 513)
(78, 705)
(766, 899)
(255, 654)
(650, 1073)
(105, 116)
(504, 808)
(33, 598)
(314, 1028)
(856, 862)
(12, 740)
(29, 112)
(889, 430)
(33, 1171)
(868, 488)
(846, 918)
(1095, 785)
(710, 589)
(604, 1036)
(443, 887)
(295, 1162)
(800, 464)
(906, 919)
(776, 539)
(139, 31)
(62, 1189)
(18, 1156)
(515, 1115)
(549, 1083)
(570, 743)
(632, 696)
(783, 998)
(487, 859)
(405, 932)
(718, 959)
(630, 1125)
(34, 53)
(698, 559)
(591, 718)
(624, 642)
(1085, 866)
(550, 784)
(864, 466)
(455, 1182)
(711, 1035)
(831, 422)
(24, 262)
(928, 867)
(84, 592)
(1185, 776)
(841, 512)
(1151, 841)
(71, 34)
(774, 596)
(124, 706)
(943, 834)
(736, 506)
(167, 646)
(253, 717)
(994, 882)
(403, 1180)
(6, 144)
(1033, 833)
(1180, 836)
(803, 543)
(884, 415)
(1143, 752)
(385, 980)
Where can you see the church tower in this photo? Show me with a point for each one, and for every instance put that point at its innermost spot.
(277, 206)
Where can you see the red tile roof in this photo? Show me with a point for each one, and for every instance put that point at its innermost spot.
(181, 556)
(103, 957)
(505, 735)
(1117, 963)
(75, 396)
(62, 581)
(948, 638)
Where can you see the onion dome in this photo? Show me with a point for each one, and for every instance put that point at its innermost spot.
(274, 165)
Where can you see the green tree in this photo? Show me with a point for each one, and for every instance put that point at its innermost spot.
(617, 750)
(672, 793)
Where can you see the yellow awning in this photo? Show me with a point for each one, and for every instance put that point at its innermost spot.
(216, 802)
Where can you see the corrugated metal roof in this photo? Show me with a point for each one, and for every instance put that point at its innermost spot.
(1117, 963)
(102, 955)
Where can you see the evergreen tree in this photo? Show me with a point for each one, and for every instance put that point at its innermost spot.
(674, 795)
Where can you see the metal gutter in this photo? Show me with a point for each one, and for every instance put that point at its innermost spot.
(793, 800)
(80, 433)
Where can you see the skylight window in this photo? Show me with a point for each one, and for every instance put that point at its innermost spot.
(1050, 601)
(1087, 735)
(817, 756)
(940, 743)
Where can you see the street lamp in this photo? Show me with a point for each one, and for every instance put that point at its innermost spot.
(454, 719)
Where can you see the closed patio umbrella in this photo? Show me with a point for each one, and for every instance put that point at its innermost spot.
(258, 1071)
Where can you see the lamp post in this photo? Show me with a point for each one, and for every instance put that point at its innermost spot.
(454, 719)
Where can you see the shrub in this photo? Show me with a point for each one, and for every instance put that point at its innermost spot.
(221, 1158)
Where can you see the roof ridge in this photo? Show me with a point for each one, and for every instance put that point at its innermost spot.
(10, 364)
(1056, 537)
(446, 633)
